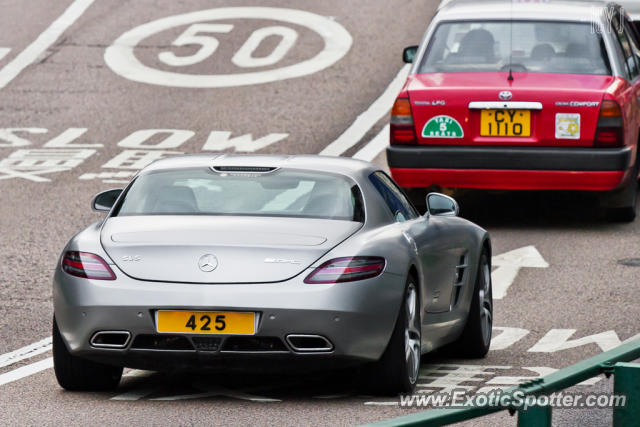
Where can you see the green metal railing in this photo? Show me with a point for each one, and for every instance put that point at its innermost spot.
(626, 383)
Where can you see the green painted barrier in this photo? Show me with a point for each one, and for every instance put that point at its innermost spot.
(627, 383)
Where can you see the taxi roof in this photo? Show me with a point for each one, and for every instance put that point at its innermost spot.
(561, 10)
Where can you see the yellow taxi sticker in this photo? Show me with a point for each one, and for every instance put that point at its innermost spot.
(567, 126)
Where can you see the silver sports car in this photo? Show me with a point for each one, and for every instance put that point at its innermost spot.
(214, 261)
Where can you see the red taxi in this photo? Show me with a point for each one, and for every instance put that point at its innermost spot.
(522, 96)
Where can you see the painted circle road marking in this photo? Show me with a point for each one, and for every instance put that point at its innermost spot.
(120, 56)
(244, 56)
(190, 37)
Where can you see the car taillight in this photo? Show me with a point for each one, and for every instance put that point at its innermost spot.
(347, 269)
(609, 131)
(402, 131)
(89, 266)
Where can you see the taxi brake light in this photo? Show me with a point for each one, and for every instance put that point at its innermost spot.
(402, 130)
(609, 130)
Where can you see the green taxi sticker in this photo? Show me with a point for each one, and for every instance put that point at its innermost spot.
(442, 127)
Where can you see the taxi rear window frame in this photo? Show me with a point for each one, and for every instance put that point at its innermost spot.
(458, 21)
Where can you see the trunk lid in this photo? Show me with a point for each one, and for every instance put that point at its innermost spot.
(245, 249)
(564, 109)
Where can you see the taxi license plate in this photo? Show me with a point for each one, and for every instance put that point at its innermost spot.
(505, 123)
(206, 322)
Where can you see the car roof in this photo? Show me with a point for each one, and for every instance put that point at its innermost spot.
(341, 165)
(561, 10)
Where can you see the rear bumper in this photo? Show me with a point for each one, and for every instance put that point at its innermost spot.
(357, 320)
(510, 168)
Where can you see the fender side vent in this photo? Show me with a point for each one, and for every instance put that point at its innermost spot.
(460, 278)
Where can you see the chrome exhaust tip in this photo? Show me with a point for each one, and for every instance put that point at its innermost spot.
(110, 339)
(305, 343)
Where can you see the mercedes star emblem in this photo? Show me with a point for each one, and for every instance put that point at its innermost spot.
(208, 263)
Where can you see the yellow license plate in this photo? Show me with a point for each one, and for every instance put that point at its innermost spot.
(206, 322)
(505, 123)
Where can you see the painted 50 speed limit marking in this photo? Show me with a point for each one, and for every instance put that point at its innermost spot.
(120, 56)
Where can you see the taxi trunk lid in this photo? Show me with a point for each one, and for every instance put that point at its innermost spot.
(559, 109)
(244, 249)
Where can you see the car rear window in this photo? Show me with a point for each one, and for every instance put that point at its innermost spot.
(202, 191)
(536, 47)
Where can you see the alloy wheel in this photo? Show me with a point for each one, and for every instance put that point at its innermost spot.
(486, 303)
(412, 334)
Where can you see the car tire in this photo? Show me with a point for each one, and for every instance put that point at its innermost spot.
(397, 370)
(476, 337)
(624, 202)
(627, 212)
(76, 374)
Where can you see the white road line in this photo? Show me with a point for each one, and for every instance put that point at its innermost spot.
(252, 398)
(369, 118)
(375, 146)
(333, 396)
(509, 264)
(25, 371)
(136, 394)
(43, 42)
(115, 181)
(217, 391)
(188, 396)
(4, 51)
(220, 393)
(26, 352)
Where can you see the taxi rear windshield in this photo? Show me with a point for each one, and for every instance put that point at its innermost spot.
(530, 46)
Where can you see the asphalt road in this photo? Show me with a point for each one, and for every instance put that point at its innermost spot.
(80, 112)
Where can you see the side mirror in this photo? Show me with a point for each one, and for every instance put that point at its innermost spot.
(103, 202)
(409, 54)
(441, 205)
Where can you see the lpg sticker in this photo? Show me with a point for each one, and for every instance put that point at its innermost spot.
(567, 126)
(442, 127)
